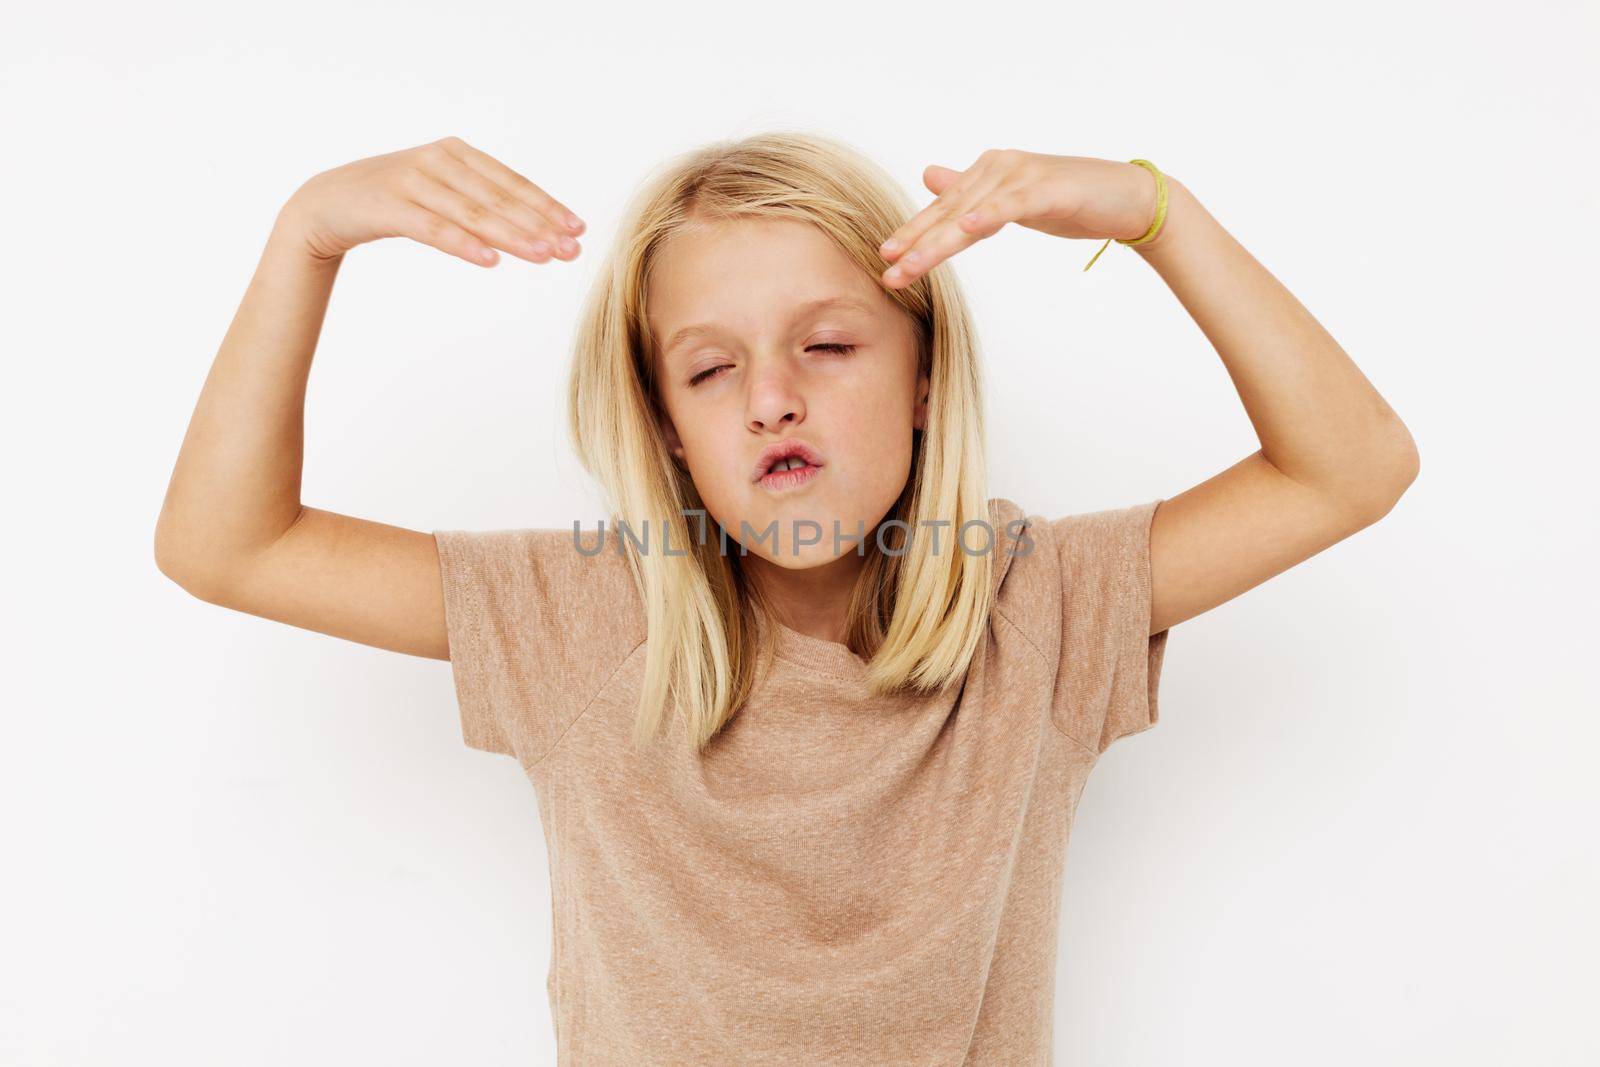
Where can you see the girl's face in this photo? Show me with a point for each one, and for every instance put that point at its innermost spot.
(767, 332)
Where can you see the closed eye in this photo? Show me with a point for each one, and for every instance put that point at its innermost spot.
(843, 350)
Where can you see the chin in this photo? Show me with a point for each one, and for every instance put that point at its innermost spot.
(808, 557)
(792, 514)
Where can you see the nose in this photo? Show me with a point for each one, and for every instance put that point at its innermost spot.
(773, 400)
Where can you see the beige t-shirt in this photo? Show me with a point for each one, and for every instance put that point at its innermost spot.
(838, 879)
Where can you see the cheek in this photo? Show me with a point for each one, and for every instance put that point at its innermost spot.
(713, 454)
(883, 407)
(878, 437)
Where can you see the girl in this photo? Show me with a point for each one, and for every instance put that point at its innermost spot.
(808, 720)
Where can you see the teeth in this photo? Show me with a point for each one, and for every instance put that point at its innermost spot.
(787, 464)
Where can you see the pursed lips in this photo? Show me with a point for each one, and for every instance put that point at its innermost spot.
(785, 454)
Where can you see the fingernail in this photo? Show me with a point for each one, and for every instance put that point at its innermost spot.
(574, 223)
(568, 244)
(890, 245)
(540, 248)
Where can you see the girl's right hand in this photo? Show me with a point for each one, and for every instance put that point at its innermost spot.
(446, 194)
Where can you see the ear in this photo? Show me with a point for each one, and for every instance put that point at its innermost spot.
(919, 413)
(670, 432)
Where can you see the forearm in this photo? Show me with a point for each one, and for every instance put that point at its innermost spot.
(1319, 419)
(236, 485)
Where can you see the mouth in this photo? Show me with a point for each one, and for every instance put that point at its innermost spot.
(787, 465)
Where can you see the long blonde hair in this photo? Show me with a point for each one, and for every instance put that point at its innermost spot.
(916, 614)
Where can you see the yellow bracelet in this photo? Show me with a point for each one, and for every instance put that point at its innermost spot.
(1161, 211)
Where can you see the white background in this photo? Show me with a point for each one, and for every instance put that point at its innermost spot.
(1364, 828)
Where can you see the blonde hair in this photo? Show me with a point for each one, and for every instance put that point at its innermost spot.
(918, 617)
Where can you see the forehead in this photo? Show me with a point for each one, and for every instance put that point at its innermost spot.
(740, 275)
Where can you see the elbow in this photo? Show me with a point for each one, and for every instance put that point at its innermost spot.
(179, 566)
(1407, 464)
(1392, 476)
(169, 563)
(1413, 465)
(165, 562)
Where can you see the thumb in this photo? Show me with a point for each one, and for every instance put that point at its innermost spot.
(938, 178)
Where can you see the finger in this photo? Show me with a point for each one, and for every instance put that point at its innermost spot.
(1006, 202)
(560, 215)
(950, 185)
(431, 228)
(499, 216)
(942, 238)
(908, 232)
(936, 178)
(489, 203)
(429, 192)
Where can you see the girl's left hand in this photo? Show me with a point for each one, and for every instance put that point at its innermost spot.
(1065, 196)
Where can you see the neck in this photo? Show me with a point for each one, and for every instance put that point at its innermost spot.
(814, 601)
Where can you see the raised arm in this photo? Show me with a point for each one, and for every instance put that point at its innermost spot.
(1334, 456)
(233, 530)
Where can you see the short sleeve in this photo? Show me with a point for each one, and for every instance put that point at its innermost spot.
(533, 625)
(1110, 663)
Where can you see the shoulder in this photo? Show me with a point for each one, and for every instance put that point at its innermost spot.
(578, 567)
(567, 600)
(1086, 558)
(1018, 580)
(538, 620)
(1081, 599)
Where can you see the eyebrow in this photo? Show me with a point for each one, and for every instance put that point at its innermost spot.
(842, 303)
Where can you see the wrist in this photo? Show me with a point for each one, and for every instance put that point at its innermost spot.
(292, 234)
(1180, 206)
